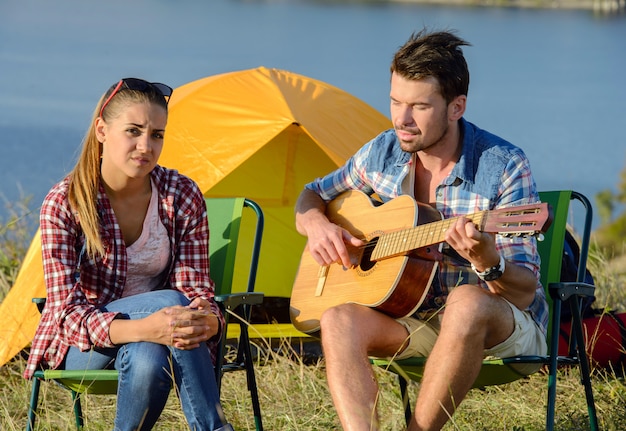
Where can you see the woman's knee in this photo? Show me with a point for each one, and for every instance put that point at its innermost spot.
(167, 298)
(138, 306)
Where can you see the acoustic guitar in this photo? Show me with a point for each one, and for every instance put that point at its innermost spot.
(395, 267)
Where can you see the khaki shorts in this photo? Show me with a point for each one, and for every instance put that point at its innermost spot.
(526, 339)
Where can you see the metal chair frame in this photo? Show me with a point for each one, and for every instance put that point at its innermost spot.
(231, 303)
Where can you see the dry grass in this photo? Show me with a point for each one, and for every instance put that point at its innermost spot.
(294, 395)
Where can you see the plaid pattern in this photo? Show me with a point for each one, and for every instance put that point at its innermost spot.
(491, 173)
(78, 286)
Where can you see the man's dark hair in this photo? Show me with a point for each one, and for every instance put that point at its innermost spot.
(438, 55)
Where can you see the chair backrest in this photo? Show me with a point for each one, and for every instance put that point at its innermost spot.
(551, 247)
(224, 215)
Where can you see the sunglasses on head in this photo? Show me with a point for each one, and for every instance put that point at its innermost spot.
(138, 85)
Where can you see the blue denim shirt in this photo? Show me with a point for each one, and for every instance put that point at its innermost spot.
(491, 173)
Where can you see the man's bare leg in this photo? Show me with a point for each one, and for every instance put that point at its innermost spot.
(350, 334)
(473, 319)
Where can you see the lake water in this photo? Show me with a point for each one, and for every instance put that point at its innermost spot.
(550, 81)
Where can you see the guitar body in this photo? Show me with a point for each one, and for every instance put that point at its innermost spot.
(396, 266)
(394, 285)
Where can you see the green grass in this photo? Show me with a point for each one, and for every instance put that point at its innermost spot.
(294, 394)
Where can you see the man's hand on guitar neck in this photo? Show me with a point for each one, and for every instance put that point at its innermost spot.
(479, 248)
(327, 242)
(517, 284)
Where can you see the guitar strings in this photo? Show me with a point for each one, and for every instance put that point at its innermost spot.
(394, 243)
(403, 240)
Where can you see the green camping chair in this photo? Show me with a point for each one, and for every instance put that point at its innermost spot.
(502, 370)
(224, 215)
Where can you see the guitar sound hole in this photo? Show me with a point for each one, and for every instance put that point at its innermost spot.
(366, 262)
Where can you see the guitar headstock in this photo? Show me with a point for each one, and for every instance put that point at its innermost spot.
(522, 220)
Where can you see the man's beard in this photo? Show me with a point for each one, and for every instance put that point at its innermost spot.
(420, 145)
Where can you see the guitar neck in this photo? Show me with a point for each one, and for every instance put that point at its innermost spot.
(405, 240)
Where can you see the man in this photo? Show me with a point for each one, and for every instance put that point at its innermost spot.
(486, 298)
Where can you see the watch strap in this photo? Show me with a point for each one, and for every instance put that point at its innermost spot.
(492, 273)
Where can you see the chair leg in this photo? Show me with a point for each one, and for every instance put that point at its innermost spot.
(405, 399)
(554, 347)
(551, 396)
(584, 366)
(220, 357)
(250, 376)
(583, 363)
(78, 411)
(32, 408)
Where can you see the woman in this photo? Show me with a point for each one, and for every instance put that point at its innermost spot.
(125, 254)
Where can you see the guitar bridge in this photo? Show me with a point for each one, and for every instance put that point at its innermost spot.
(321, 279)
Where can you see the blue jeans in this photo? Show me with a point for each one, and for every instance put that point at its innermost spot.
(146, 371)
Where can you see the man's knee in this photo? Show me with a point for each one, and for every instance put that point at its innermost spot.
(469, 299)
(466, 290)
(467, 309)
(472, 310)
(338, 317)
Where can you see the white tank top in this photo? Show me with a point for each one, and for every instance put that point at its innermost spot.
(148, 257)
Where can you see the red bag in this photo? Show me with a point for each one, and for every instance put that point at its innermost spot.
(605, 340)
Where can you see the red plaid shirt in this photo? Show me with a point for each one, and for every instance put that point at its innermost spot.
(78, 286)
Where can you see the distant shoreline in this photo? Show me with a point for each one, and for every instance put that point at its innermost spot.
(599, 6)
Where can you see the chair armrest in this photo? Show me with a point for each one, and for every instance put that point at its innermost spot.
(563, 291)
(233, 300)
(40, 302)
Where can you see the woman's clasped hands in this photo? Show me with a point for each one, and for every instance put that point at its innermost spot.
(189, 326)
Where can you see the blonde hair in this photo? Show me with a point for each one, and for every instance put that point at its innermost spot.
(84, 181)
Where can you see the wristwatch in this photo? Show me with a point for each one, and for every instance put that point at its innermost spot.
(492, 273)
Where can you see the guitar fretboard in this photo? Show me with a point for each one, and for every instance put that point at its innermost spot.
(402, 241)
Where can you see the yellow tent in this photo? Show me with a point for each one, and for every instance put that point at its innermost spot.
(18, 315)
(260, 133)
